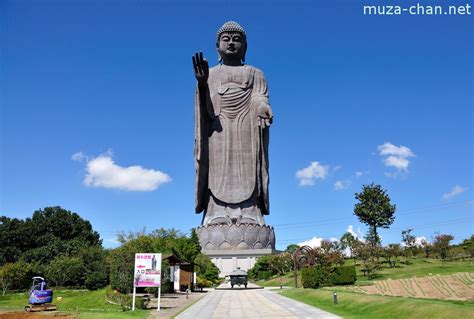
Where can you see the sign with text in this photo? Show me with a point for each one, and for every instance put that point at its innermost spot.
(147, 270)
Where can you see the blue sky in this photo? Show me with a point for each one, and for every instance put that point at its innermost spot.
(356, 99)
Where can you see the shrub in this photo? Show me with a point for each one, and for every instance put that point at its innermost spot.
(203, 282)
(315, 277)
(343, 275)
(15, 276)
(66, 271)
(262, 264)
(264, 274)
(309, 277)
(96, 280)
(115, 297)
(211, 274)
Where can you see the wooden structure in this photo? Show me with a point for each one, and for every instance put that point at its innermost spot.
(181, 273)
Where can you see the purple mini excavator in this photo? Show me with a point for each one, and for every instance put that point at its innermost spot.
(40, 297)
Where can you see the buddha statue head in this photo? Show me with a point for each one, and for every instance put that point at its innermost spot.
(231, 43)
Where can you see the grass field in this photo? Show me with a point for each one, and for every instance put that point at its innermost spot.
(458, 286)
(418, 267)
(355, 305)
(87, 304)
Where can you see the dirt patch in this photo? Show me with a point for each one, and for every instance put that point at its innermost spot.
(459, 286)
(39, 315)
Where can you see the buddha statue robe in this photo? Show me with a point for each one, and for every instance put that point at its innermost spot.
(231, 148)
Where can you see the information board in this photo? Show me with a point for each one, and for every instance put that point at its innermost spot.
(147, 270)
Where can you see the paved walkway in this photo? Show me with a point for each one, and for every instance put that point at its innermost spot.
(171, 304)
(251, 303)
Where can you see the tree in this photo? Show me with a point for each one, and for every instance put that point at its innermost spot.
(391, 253)
(162, 240)
(95, 267)
(187, 248)
(364, 253)
(14, 276)
(206, 269)
(59, 223)
(468, 246)
(291, 248)
(280, 264)
(347, 242)
(14, 238)
(441, 245)
(427, 248)
(261, 265)
(66, 271)
(409, 241)
(49, 233)
(375, 210)
(331, 252)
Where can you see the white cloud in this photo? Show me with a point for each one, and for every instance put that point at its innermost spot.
(454, 192)
(310, 174)
(389, 149)
(338, 185)
(78, 157)
(313, 242)
(419, 240)
(350, 229)
(101, 171)
(395, 156)
(337, 168)
(359, 174)
(400, 163)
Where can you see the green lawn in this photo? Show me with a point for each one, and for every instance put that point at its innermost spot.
(418, 267)
(354, 305)
(89, 304)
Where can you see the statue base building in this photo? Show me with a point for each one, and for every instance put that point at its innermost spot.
(229, 260)
(236, 245)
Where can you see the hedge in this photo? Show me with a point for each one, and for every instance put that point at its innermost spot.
(264, 275)
(343, 275)
(319, 276)
(315, 277)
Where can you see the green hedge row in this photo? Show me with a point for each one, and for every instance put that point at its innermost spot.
(318, 276)
(264, 275)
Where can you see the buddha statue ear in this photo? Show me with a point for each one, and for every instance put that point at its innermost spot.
(219, 57)
(245, 51)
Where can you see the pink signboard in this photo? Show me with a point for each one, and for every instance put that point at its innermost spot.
(147, 270)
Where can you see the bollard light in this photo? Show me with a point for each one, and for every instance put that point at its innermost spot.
(335, 298)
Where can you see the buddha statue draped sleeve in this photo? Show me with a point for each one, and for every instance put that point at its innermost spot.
(231, 149)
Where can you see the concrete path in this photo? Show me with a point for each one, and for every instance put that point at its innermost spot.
(252, 303)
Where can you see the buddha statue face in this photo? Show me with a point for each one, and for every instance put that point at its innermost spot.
(231, 47)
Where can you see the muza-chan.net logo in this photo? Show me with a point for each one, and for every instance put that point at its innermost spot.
(417, 9)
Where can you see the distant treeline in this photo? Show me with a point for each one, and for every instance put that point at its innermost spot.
(59, 245)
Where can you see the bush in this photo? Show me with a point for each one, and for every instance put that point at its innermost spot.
(15, 276)
(211, 274)
(343, 275)
(96, 280)
(315, 277)
(124, 300)
(264, 274)
(309, 277)
(202, 282)
(66, 271)
(262, 264)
